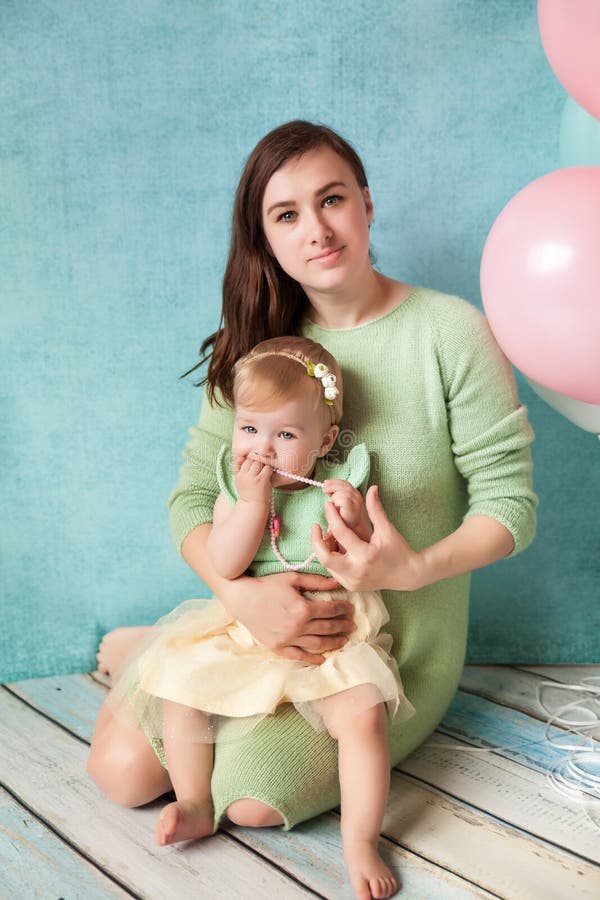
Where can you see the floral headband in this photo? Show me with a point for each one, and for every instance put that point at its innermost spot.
(327, 379)
(315, 370)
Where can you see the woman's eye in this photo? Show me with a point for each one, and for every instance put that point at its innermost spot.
(249, 429)
(286, 435)
(332, 200)
(288, 216)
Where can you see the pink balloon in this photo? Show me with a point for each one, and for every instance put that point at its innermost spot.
(540, 281)
(570, 32)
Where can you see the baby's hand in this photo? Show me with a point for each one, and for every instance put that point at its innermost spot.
(350, 505)
(252, 479)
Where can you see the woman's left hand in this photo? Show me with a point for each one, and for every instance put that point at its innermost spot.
(385, 561)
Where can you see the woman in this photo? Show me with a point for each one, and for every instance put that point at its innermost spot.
(428, 391)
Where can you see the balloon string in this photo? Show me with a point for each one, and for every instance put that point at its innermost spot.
(573, 729)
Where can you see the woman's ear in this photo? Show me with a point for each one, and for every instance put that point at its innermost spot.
(328, 440)
(368, 204)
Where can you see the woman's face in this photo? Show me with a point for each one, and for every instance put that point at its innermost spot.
(316, 221)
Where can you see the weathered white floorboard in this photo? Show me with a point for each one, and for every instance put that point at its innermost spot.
(317, 843)
(44, 766)
(506, 686)
(72, 700)
(479, 847)
(518, 688)
(511, 792)
(465, 813)
(312, 854)
(35, 863)
(513, 734)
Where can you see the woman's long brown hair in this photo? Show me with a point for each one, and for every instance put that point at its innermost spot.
(260, 300)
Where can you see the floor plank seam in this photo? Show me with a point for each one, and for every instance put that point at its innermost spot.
(495, 818)
(445, 868)
(69, 843)
(510, 753)
(44, 715)
(497, 701)
(99, 678)
(524, 670)
(273, 864)
(467, 740)
(436, 864)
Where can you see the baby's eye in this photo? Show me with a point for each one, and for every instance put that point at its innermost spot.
(332, 200)
(288, 216)
(249, 429)
(287, 435)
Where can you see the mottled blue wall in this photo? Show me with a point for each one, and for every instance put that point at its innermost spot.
(124, 129)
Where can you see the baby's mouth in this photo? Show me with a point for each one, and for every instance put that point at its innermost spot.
(256, 457)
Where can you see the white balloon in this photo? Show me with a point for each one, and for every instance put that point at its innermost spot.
(579, 136)
(585, 415)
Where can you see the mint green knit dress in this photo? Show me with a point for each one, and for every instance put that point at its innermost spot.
(428, 391)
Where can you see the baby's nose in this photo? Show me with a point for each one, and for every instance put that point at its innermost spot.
(264, 453)
(267, 449)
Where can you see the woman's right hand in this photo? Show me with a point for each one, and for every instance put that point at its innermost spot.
(280, 617)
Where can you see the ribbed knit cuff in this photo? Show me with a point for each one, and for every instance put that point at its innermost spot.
(516, 515)
(183, 521)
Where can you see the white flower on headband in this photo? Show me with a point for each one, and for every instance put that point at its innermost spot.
(327, 379)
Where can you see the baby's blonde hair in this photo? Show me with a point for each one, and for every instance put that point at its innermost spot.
(271, 373)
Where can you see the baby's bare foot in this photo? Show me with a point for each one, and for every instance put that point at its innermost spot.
(184, 820)
(117, 645)
(369, 875)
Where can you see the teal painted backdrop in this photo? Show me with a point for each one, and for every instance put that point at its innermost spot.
(124, 129)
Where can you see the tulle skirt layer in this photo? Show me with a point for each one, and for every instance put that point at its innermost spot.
(224, 682)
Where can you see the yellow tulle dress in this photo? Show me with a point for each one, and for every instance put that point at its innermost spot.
(202, 658)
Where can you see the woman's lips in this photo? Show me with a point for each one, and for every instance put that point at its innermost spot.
(327, 256)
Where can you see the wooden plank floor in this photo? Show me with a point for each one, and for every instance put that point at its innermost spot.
(461, 822)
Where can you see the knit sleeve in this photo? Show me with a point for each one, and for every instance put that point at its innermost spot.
(489, 429)
(192, 501)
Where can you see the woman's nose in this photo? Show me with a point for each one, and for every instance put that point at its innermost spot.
(320, 230)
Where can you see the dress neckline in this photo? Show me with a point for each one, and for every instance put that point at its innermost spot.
(414, 291)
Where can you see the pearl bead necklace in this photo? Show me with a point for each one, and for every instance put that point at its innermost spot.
(274, 523)
(300, 478)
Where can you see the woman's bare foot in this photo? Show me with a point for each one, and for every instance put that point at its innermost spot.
(117, 645)
(184, 820)
(369, 875)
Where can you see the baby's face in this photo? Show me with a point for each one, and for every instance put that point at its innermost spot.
(289, 437)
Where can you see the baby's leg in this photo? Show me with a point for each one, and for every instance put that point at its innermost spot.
(364, 771)
(190, 764)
